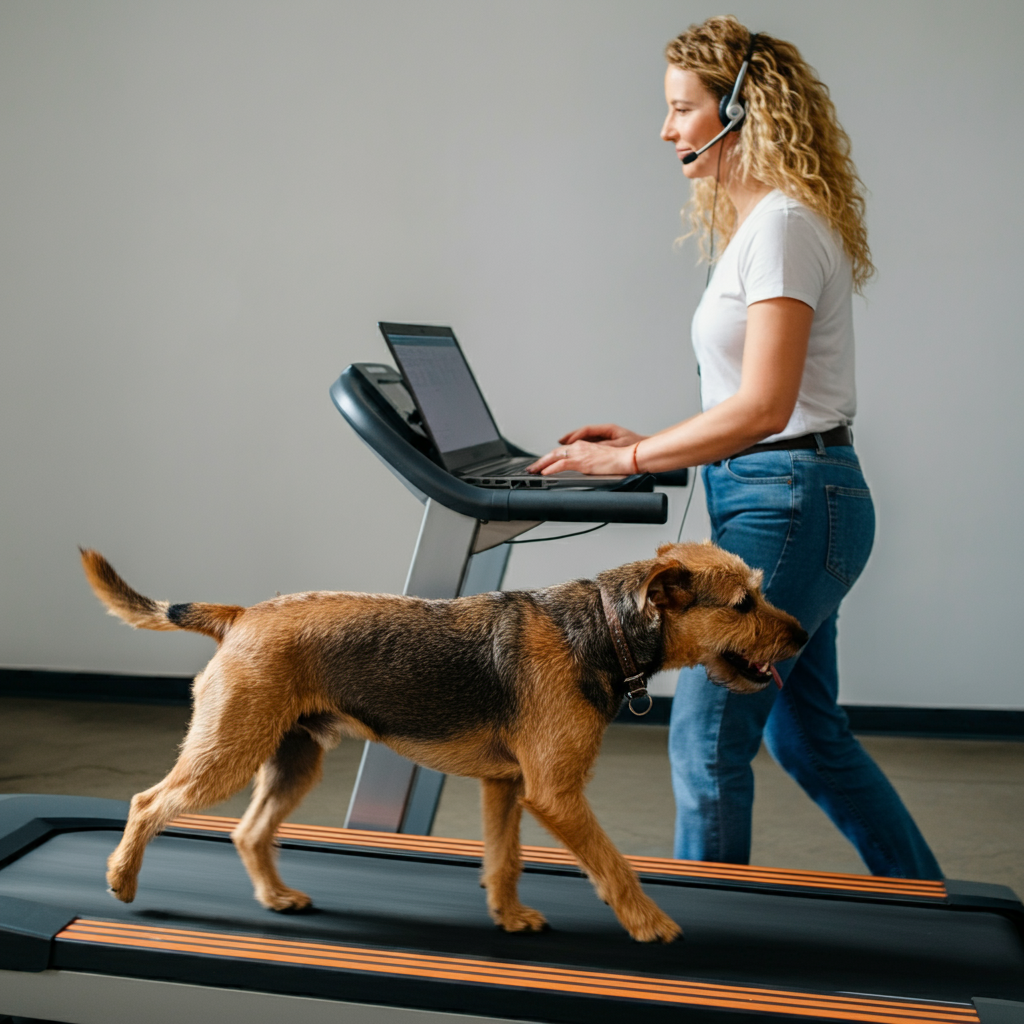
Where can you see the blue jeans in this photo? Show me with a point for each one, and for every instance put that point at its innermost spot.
(806, 519)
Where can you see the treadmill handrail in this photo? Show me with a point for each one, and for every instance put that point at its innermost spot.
(485, 503)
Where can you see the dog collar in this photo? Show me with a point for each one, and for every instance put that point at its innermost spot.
(634, 677)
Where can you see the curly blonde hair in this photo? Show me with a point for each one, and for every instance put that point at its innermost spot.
(790, 140)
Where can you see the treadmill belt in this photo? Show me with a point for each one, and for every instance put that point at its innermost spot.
(375, 905)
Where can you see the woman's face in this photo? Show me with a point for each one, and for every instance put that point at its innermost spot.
(692, 121)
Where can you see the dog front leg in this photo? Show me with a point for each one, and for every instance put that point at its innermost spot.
(502, 857)
(569, 818)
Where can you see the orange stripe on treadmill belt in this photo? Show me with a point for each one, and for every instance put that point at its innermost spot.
(84, 927)
(514, 975)
(866, 884)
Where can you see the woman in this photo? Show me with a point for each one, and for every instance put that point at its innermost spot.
(773, 335)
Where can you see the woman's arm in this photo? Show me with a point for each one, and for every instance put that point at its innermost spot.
(774, 353)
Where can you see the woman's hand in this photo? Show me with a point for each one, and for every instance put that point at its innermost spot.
(610, 434)
(605, 458)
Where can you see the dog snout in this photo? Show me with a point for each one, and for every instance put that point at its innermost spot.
(800, 636)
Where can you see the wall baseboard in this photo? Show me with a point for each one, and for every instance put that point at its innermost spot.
(123, 689)
(956, 723)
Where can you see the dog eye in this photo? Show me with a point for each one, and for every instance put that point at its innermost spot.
(746, 605)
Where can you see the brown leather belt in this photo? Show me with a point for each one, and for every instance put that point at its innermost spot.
(830, 438)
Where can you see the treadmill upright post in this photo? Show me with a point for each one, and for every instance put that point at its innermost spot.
(391, 793)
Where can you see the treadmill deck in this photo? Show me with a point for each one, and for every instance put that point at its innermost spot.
(404, 916)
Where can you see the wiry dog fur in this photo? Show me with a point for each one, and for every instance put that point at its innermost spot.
(514, 688)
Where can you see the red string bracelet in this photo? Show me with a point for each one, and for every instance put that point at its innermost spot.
(636, 468)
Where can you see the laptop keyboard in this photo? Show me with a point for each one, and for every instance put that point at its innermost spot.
(500, 467)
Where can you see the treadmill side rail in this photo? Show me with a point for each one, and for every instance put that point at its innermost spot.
(27, 819)
(1001, 899)
(80, 997)
(27, 931)
(999, 1011)
(983, 896)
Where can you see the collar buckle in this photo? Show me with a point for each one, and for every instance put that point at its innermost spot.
(638, 692)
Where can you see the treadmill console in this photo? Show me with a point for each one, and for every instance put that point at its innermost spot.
(388, 390)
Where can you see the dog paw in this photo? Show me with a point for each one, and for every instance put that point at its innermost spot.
(654, 926)
(519, 919)
(121, 888)
(285, 901)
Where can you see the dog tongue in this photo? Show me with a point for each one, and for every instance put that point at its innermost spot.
(776, 676)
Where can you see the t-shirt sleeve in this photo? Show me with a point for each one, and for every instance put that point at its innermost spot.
(784, 256)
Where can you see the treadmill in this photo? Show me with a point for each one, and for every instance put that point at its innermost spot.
(400, 932)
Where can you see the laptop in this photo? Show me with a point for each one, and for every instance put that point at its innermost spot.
(453, 411)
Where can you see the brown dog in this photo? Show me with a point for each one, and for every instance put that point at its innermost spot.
(513, 688)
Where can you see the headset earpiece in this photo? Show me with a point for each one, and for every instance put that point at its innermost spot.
(723, 112)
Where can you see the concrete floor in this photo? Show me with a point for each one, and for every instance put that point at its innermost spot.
(967, 796)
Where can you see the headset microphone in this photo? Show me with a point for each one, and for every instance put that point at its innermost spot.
(730, 111)
(690, 157)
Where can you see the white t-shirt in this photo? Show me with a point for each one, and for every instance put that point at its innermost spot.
(782, 250)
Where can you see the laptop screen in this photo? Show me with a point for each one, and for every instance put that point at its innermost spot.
(453, 409)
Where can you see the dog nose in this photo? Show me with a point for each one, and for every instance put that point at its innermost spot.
(800, 636)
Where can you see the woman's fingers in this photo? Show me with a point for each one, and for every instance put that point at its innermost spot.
(543, 462)
(603, 433)
(553, 462)
(575, 435)
(583, 457)
(591, 432)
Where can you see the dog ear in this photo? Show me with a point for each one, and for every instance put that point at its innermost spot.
(668, 586)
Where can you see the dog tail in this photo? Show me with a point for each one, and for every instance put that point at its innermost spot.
(145, 613)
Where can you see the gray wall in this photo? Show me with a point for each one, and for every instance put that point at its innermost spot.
(205, 208)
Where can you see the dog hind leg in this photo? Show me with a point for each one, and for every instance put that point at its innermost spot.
(281, 783)
(192, 785)
(502, 856)
(226, 742)
(565, 813)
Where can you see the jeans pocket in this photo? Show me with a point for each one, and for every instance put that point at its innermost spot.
(851, 531)
(761, 468)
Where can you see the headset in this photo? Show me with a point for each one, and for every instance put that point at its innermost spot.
(731, 111)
